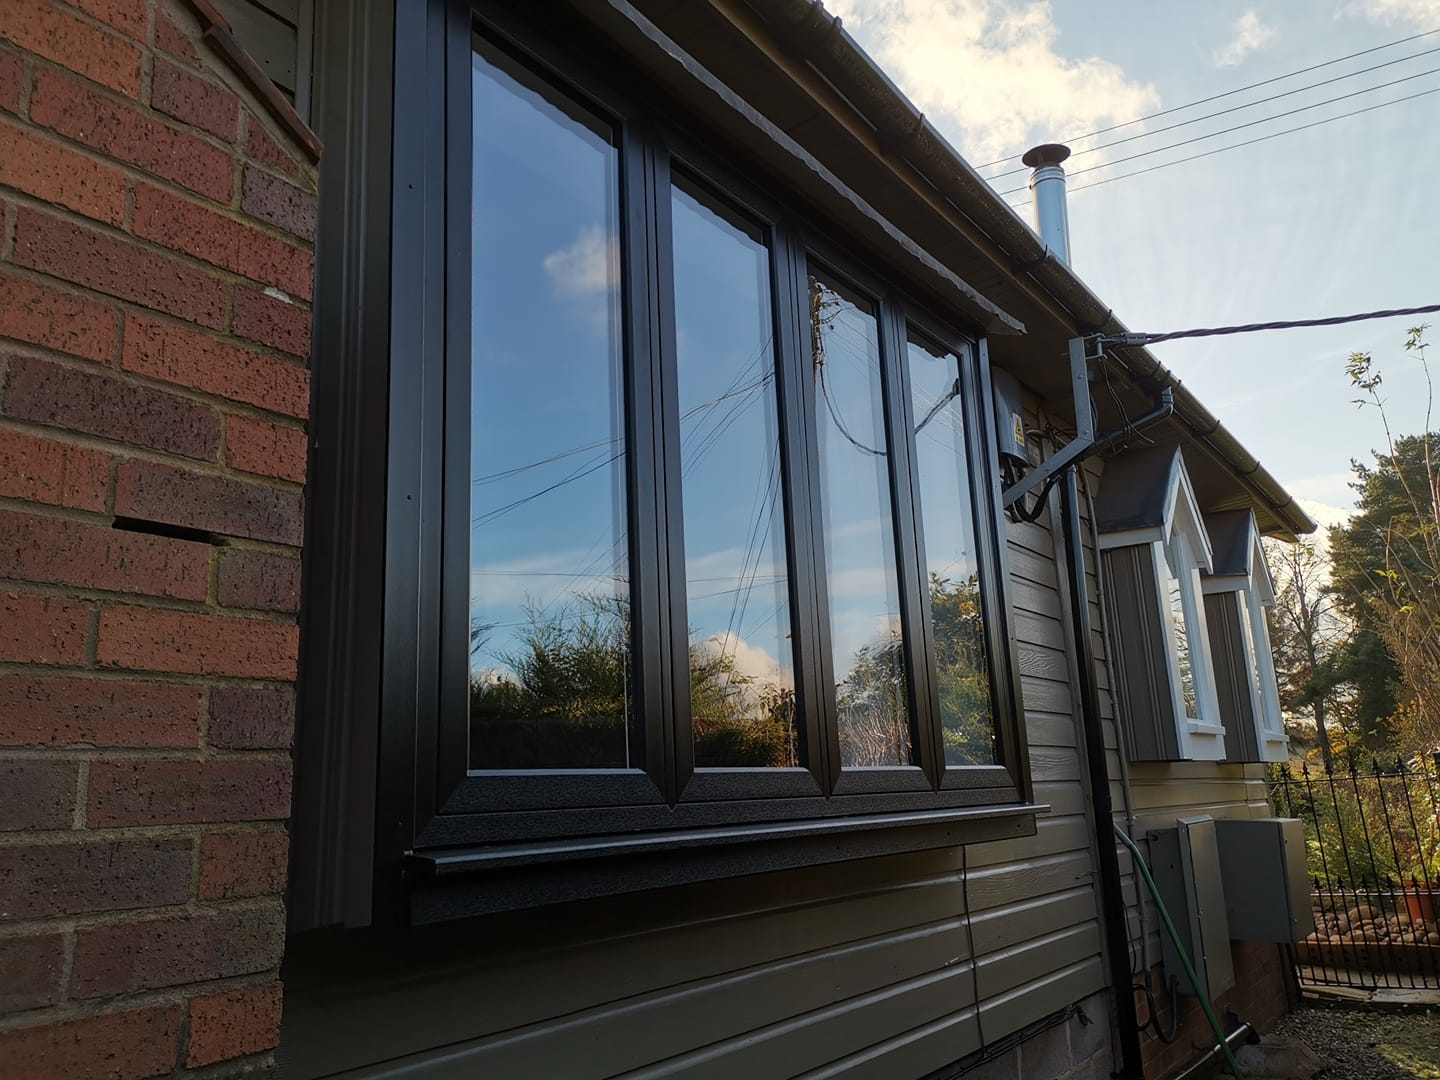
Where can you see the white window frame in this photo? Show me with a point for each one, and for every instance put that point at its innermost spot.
(1253, 593)
(1200, 737)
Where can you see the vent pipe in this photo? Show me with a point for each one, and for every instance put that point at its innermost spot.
(1047, 192)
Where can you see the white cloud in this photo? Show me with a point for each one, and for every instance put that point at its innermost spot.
(1420, 14)
(587, 275)
(988, 71)
(1248, 35)
(750, 660)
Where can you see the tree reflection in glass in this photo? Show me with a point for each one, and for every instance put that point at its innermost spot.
(549, 562)
(867, 646)
(742, 684)
(1175, 565)
(948, 524)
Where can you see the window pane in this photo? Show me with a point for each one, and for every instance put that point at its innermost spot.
(952, 570)
(867, 647)
(742, 681)
(1175, 565)
(549, 562)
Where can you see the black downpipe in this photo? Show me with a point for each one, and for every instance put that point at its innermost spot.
(1112, 897)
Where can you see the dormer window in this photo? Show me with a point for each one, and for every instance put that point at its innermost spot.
(1154, 548)
(1238, 591)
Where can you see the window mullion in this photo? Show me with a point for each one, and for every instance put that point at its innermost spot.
(651, 633)
(800, 441)
(909, 543)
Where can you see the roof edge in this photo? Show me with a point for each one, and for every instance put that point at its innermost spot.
(821, 40)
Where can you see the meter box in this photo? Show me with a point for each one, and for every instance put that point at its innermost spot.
(1185, 861)
(1267, 887)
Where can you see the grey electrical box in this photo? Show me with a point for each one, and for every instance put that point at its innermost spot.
(1009, 415)
(1186, 863)
(1267, 887)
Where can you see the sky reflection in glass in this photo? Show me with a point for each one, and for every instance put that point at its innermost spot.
(549, 562)
(951, 571)
(867, 645)
(737, 586)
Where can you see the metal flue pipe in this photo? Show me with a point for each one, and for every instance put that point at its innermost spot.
(1047, 191)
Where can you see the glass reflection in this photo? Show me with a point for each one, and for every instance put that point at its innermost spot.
(948, 524)
(868, 650)
(549, 563)
(742, 685)
(1175, 565)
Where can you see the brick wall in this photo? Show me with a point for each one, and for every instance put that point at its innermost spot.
(1260, 996)
(156, 224)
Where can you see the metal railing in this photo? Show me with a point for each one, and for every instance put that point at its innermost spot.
(1372, 839)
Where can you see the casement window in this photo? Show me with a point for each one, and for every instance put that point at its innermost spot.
(1154, 550)
(1238, 594)
(693, 552)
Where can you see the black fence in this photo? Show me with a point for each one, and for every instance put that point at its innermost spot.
(1372, 839)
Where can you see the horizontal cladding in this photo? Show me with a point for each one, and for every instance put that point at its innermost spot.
(266, 29)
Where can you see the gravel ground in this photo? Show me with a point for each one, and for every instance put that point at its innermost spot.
(1369, 1044)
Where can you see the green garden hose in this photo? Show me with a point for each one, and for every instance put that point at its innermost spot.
(1184, 956)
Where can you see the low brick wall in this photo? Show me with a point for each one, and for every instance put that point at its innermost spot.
(1260, 996)
(156, 226)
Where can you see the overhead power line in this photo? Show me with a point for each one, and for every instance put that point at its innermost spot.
(1228, 93)
(1250, 124)
(1251, 328)
(1252, 104)
(1222, 149)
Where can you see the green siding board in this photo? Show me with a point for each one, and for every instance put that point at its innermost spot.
(270, 40)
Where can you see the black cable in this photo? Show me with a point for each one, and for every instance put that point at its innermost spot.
(1229, 93)
(1250, 328)
(1253, 123)
(1235, 146)
(1248, 105)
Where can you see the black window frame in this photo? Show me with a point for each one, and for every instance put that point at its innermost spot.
(433, 816)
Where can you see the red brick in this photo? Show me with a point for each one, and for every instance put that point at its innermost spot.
(170, 38)
(37, 794)
(153, 792)
(47, 30)
(261, 146)
(117, 267)
(216, 504)
(238, 865)
(41, 167)
(69, 878)
(235, 1024)
(64, 552)
(45, 471)
(127, 16)
(12, 77)
(169, 952)
(42, 629)
(57, 320)
(147, 639)
(271, 321)
(256, 579)
(182, 225)
(40, 710)
(33, 966)
(176, 355)
(255, 446)
(282, 204)
(131, 135)
(187, 97)
(128, 1045)
(250, 718)
(112, 407)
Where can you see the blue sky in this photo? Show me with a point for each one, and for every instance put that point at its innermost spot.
(1341, 218)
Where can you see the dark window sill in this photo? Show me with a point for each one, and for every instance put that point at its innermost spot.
(458, 883)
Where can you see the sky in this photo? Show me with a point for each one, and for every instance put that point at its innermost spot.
(1338, 219)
